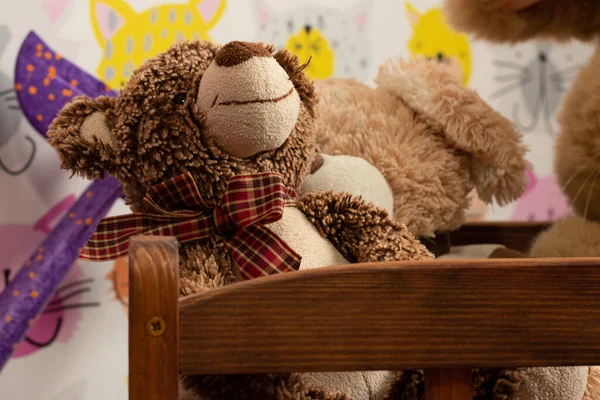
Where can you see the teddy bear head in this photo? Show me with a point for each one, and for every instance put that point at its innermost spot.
(577, 150)
(199, 108)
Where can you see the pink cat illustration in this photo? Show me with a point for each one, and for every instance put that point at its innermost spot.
(542, 201)
(59, 320)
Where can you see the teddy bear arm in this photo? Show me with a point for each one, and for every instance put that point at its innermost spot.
(359, 230)
(205, 265)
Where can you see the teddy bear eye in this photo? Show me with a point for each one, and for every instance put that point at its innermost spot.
(180, 98)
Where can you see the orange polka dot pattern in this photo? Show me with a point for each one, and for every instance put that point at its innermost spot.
(46, 81)
(25, 295)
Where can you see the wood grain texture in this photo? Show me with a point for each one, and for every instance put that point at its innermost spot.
(514, 235)
(449, 384)
(153, 318)
(431, 314)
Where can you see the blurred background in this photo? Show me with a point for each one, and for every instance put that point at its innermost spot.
(78, 348)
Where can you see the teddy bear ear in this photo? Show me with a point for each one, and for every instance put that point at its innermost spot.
(82, 137)
(497, 155)
(495, 21)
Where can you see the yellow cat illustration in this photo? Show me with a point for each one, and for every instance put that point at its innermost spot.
(128, 38)
(433, 38)
(337, 42)
(309, 43)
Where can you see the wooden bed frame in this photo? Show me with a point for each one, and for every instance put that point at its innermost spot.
(443, 317)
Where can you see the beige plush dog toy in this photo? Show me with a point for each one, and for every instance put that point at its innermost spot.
(431, 138)
(434, 141)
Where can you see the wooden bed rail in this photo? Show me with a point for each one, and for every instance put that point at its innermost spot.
(514, 235)
(444, 317)
(436, 314)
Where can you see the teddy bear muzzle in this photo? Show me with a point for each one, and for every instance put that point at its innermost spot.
(247, 99)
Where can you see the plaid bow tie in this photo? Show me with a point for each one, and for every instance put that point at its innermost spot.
(250, 203)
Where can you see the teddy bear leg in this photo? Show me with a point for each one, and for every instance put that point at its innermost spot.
(488, 384)
(592, 391)
(408, 385)
(253, 387)
(357, 385)
(552, 383)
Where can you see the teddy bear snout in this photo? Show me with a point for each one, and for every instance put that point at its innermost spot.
(247, 99)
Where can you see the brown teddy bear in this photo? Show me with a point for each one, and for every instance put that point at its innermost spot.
(211, 145)
(577, 151)
(434, 141)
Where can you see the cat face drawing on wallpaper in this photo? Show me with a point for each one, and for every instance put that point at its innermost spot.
(11, 116)
(434, 39)
(59, 320)
(533, 78)
(128, 38)
(336, 42)
(543, 200)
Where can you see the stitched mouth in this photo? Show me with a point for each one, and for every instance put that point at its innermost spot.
(258, 101)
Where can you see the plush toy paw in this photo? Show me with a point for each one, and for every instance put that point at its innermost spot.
(357, 385)
(395, 243)
(353, 175)
(592, 391)
(552, 383)
(359, 230)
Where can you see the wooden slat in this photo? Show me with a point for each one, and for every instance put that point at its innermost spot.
(153, 318)
(434, 314)
(449, 384)
(514, 235)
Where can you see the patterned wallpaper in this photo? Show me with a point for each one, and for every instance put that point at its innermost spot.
(77, 348)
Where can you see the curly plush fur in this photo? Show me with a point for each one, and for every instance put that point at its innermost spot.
(157, 128)
(432, 139)
(577, 151)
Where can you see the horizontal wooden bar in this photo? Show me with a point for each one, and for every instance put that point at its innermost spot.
(434, 314)
(514, 235)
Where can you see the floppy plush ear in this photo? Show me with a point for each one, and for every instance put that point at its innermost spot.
(470, 125)
(559, 19)
(81, 134)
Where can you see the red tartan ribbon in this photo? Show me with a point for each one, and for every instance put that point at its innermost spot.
(250, 203)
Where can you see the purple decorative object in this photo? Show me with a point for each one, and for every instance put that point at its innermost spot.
(27, 294)
(45, 82)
